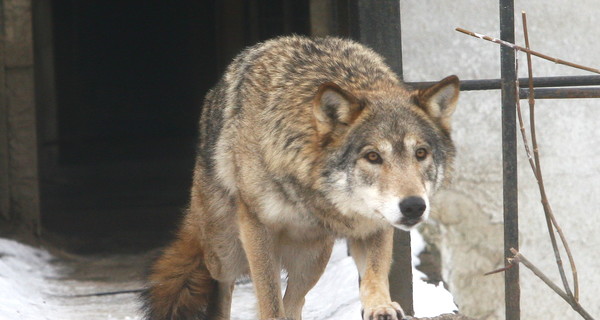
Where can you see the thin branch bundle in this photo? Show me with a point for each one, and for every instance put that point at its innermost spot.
(535, 53)
(536, 167)
(534, 161)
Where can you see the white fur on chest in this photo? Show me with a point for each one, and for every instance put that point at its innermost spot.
(283, 215)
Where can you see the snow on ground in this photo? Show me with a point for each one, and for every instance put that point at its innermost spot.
(34, 285)
(429, 300)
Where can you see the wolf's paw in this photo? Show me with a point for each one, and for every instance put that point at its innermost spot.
(388, 311)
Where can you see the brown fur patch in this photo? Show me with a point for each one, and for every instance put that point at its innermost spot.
(181, 286)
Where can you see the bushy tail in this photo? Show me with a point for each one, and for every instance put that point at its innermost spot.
(180, 284)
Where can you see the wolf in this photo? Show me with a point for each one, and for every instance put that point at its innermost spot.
(301, 142)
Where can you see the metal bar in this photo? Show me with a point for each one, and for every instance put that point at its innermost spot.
(512, 291)
(377, 24)
(493, 84)
(562, 93)
(400, 277)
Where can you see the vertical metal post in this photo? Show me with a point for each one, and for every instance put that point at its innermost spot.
(401, 286)
(377, 24)
(509, 158)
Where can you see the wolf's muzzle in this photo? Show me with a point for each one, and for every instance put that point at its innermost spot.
(413, 207)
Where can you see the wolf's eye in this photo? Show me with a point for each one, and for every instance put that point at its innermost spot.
(421, 154)
(373, 157)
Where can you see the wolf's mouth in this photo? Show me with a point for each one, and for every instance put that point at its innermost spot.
(410, 222)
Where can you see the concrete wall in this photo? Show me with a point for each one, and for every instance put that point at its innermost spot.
(468, 225)
(19, 193)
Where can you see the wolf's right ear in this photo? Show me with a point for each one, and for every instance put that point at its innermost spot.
(334, 108)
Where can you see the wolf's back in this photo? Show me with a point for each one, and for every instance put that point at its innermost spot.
(265, 96)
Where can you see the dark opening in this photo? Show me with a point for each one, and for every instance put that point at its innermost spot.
(130, 79)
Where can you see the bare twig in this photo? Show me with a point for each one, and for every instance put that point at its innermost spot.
(550, 219)
(100, 294)
(534, 161)
(521, 123)
(535, 53)
(509, 266)
(520, 258)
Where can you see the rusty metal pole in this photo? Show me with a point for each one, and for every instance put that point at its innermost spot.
(509, 158)
(377, 24)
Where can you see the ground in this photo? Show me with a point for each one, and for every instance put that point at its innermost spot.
(36, 284)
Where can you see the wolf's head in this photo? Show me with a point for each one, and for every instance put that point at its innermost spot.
(386, 151)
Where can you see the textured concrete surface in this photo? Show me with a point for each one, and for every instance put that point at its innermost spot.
(19, 194)
(469, 214)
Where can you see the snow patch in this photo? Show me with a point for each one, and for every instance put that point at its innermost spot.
(33, 286)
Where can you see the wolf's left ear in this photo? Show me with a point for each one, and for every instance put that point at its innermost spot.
(439, 100)
(334, 108)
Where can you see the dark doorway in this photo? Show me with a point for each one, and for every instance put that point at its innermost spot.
(130, 78)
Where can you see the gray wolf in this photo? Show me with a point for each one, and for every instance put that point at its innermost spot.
(301, 142)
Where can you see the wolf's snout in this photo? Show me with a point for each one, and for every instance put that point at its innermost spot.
(413, 207)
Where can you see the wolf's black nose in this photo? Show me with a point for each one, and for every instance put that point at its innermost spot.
(413, 207)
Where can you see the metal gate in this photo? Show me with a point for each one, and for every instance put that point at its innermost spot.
(377, 24)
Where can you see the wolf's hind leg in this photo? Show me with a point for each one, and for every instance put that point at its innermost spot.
(222, 308)
(305, 265)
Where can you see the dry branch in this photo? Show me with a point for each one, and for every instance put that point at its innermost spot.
(519, 48)
(537, 170)
(534, 161)
(520, 258)
(109, 293)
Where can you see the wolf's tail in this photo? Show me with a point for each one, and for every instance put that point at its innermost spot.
(181, 286)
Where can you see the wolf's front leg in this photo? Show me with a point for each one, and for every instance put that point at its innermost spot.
(373, 257)
(265, 266)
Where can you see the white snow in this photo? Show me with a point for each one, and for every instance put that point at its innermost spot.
(429, 300)
(34, 286)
